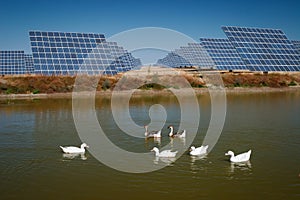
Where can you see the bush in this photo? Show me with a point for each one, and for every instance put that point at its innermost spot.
(292, 83)
(106, 84)
(35, 91)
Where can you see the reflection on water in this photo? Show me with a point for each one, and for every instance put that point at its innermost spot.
(244, 166)
(74, 155)
(178, 142)
(168, 161)
(196, 163)
(32, 167)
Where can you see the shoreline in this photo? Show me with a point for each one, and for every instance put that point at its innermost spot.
(141, 93)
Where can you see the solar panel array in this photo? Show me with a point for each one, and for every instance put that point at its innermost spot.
(12, 62)
(223, 54)
(264, 49)
(58, 53)
(62, 53)
(191, 55)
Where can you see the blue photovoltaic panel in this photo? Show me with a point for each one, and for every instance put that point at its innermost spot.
(61, 53)
(12, 62)
(120, 57)
(198, 56)
(29, 63)
(223, 54)
(264, 49)
(174, 59)
(296, 44)
(191, 55)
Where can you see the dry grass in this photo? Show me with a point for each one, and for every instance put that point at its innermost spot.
(63, 84)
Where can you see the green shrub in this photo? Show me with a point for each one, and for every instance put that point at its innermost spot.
(10, 91)
(106, 84)
(35, 91)
(292, 83)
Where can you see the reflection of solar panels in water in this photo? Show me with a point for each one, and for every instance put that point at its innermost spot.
(264, 49)
(70, 53)
(12, 62)
(223, 54)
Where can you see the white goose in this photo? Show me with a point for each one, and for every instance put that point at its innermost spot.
(179, 134)
(198, 151)
(152, 134)
(244, 157)
(165, 153)
(72, 149)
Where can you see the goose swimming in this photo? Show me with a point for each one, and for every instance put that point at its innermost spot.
(198, 151)
(243, 157)
(72, 149)
(152, 134)
(179, 134)
(165, 153)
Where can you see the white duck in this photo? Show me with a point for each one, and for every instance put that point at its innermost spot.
(72, 149)
(165, 153)
(198, 151)
(244, 157)
(152, 134)
(179, 134)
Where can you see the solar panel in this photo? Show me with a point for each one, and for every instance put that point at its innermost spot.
(198, 56)
(12, 62)
(174, 59)
(191, 55)
(61, 53)
(296, 44)
(29, 63)
(119, 56)
(264, 49)
(223, 54)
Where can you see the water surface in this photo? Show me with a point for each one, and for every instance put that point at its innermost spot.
(32, 165)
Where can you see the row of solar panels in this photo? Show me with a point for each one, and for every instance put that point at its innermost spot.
(254, 49)
(61, 53)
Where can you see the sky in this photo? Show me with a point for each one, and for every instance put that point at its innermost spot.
(195, 18)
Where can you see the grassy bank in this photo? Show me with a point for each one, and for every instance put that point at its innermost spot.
(65, 84)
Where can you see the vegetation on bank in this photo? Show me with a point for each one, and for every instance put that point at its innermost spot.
(62, 84)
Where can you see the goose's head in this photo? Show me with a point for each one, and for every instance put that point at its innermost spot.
(229, 153)
(192, 148)
(84, 145)
(170, 126)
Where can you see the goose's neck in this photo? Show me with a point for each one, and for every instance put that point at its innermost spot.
(156, 152)
(171, 131)
(146, 130)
